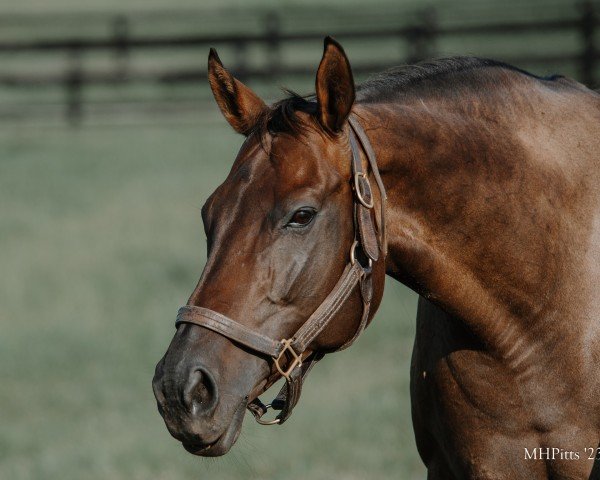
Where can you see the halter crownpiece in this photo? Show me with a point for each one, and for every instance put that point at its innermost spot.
(291, 350)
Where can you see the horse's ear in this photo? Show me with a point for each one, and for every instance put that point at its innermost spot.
(334, 87)
(240, 105)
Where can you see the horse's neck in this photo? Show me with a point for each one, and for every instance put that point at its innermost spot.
(468, 226)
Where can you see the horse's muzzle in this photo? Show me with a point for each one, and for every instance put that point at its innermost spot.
(200, 391)
(187, 397)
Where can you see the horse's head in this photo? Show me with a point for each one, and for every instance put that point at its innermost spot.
(279, 230)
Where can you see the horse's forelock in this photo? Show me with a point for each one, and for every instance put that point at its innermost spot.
(283, 118)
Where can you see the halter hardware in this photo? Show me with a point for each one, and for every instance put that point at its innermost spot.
(296, 359)
(371, 243)
(361, 191)
(258, 418)
(353, 255)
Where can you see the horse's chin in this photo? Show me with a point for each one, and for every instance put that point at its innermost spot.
(224, 443)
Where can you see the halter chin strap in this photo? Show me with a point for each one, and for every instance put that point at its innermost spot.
(287, 354)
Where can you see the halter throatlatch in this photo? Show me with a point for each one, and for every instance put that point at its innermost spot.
(287, 354)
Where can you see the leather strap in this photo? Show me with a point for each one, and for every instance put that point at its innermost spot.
(362, 189)
(368, 149)
(327, 310)
(366, 288)
(228, 328)
(288, 396)
(258, 342)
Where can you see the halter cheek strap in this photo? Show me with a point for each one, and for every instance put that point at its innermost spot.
(287, 354)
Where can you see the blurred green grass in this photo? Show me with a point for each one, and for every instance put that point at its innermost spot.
(100, 242)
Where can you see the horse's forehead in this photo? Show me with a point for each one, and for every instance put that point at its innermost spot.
(251, 176)
(251, 162)
(292, 158)
(281, 163)
(303, 161)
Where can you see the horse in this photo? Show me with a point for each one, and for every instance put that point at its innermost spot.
(487, 205)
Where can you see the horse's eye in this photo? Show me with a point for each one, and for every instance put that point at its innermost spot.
(301, 218)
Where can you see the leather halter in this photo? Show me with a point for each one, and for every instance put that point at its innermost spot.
(290, 351)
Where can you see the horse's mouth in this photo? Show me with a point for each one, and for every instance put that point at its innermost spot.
(224, 443)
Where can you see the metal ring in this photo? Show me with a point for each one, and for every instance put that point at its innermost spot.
(353, 252)
(353, 255)
(359, 192)
(267, 422)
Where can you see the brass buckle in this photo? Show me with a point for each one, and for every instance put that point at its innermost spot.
(296, 359)
(359, 191)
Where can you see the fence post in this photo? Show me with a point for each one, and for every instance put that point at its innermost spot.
(421, 38)
(120, 28)
(588, 54)
(74, 86)
(273, 43)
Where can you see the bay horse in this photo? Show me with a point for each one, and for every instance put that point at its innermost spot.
(492, 181)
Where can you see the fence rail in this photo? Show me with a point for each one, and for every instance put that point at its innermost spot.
(421, 39)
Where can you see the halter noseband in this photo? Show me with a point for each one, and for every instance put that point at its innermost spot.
(292, 349)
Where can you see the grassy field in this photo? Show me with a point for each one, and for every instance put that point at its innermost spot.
(101, 241)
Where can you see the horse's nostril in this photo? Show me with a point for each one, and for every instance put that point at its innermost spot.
(200, 394)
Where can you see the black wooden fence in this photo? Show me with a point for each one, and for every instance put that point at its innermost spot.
(422, 38)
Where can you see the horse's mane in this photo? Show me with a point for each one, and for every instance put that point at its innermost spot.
(403, 80)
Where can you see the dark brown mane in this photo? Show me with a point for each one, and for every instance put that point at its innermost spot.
(282, 116)
(402, 80)
(399, 80)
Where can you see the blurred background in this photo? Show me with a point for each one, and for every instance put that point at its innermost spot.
(110, 143)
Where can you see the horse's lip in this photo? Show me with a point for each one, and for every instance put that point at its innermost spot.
(199, 449)
(224, 443)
